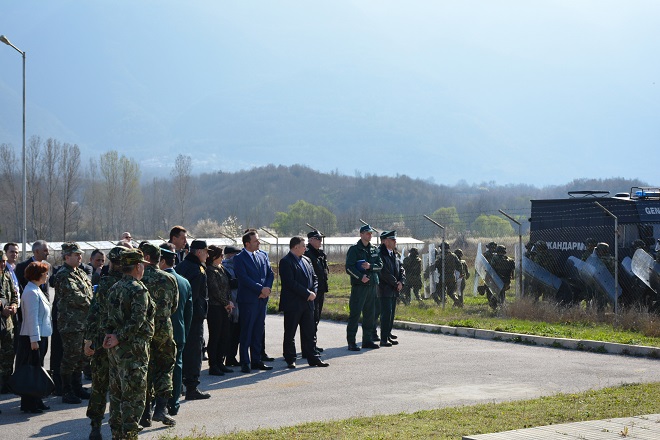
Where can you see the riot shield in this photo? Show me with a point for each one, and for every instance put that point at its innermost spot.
(475, 283)
(540, 276)
(626, 263)
(488, 274)
(575, 267)
(646, 269)
(595, 273)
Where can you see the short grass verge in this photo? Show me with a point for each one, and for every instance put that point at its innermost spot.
(452, 423)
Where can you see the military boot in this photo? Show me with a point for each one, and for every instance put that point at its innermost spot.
(145, 420)
(68, 396)
(95, 434)
(78, 389)
(57, 380)
(160, 413)
(4, 384)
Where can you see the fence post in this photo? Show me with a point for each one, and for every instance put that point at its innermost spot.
(616, 256)
(442, 255)
(521, 290)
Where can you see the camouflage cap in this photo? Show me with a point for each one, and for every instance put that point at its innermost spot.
(149, 249)
(130, 257)
(3, 257)
(71, 247)
(115, 253)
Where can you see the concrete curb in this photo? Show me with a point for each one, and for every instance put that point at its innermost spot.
(571, 344)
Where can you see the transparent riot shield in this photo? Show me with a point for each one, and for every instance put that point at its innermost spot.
(541, 277)
(488, 274)
(645, 268)
(595, 274)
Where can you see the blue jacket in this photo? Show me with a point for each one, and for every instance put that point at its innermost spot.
(250, 278)
(36, 313)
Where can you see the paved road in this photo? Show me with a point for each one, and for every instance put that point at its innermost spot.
(425, 371)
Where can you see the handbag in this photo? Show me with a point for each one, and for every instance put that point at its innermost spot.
(32, 379)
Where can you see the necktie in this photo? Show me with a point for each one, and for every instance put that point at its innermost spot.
(254, 258)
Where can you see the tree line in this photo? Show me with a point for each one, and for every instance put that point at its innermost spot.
(71, 200)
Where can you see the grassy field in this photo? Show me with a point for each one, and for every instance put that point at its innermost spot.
(452, 423)
(542, 319)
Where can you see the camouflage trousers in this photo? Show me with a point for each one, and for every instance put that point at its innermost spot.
(7, 353)
(128, 363)
(100, 386)
(73, 357)
(161, 364)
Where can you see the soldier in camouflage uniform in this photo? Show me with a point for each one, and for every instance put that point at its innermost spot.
(590, 243)
(488, 255)
(94, 334)
(543, 258)
(451, 265)
(504, 267)
(412, 264)
(73, 291)
(466, 274)
(130, 327)
(8, 308)
(164, 294)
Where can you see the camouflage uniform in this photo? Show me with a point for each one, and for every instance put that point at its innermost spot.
(164, 294)
(95, 332)
(504, 267)
(8, 297)
(131, 319)
(452, 264)
(73, 291)
(412, 264)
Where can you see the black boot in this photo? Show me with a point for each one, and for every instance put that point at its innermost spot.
(68, 396)
(145, 420)
(160, 413)
(78, 389)
(57, 379)
(4, 385)
(95, 434)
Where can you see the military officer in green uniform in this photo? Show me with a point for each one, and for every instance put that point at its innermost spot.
(94, 335)
(164, 294)
(8, 308)
(363, 263)
(130, 327)
(73, 291)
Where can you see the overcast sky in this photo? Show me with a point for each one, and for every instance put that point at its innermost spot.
(537, 92)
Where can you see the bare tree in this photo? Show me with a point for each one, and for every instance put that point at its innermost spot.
(51, 175)
(69, 169)
(11, 193)
(36, 214)
(130, 191)
(182, 185)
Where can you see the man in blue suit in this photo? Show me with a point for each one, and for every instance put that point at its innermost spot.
(255, 280)
(299, 285)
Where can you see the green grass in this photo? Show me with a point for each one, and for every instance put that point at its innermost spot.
(477, 314)
(452, 423)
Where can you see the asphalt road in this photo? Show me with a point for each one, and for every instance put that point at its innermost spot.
(424, 371)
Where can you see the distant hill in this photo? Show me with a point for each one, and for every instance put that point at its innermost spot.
(254, 196)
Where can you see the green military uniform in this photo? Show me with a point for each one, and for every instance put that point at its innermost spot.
(164, 294)
(8, 297)
(73, 291)
(452, 265)
(504, 267)
(363, 295)
(95, 332)
(412, 264)
(131, 319)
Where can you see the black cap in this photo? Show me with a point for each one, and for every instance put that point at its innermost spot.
(198, 244)
(231, 250)
(388, 234)
(366, 228)
(315, 234)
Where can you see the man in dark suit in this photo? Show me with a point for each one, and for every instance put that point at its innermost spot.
(255, 280)
(39, 253)
(299, 285)
(390, 282)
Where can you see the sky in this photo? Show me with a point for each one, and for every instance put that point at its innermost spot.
(539, 92)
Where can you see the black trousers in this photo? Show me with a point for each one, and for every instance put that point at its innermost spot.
(192, 353)
(24, 356)
(305, 319)
(217, 346)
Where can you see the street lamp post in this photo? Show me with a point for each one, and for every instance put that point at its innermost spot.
(5, 40)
